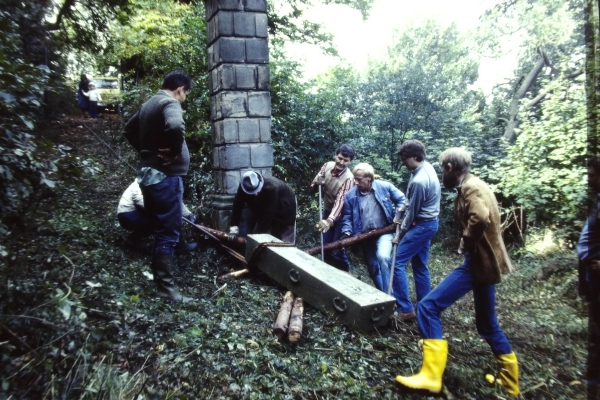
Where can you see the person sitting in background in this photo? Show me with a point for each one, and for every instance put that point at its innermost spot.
(131, 216)
(94, 97)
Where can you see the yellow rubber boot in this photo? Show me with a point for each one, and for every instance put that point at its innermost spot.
(435, 353)
(508, 373)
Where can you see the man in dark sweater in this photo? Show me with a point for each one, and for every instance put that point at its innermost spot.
(273, 205)
(157, 132)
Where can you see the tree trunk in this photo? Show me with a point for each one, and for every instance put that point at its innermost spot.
(592, 78)
(353, 239)
(283, 318)
(513, 111)
(295, 330)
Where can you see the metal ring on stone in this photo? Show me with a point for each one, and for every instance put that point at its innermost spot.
(377, 314)
(339, 304)
(294, 275)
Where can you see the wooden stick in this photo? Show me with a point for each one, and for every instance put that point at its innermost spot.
(283, 318)
(295, 330)
(234, 274)
(353, 239)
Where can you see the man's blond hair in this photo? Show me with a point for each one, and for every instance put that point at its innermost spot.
(367, 170)
(459, 158)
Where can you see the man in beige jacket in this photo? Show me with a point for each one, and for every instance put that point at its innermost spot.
(486, 259)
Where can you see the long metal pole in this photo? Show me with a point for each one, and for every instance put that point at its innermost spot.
(394, 248)
(320, 218)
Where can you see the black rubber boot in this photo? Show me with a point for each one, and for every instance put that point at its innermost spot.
(163, 277)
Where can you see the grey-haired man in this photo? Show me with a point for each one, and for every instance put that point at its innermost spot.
(273, 205)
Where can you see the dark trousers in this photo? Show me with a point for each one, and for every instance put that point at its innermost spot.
(162, 203)
(589, 288)
(336, 258)
(94, 109)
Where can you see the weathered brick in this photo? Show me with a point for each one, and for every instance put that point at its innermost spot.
(227, 73)
(264, 77)
(216, 160)
(257, 51)
(231, 5)
(230, 50)
(265, 130)
(259, 104)
(224, 24)
(244, 77)
(234, 156)
(232, 181)
(211, 8)
(211, 30)
(226, 131)
(213, 81)
(233, 104)
(230, 130)
(261, 155)
(211, 56)
(249, 130)
(215, 112)
(256, 5)
(262, 25)
(244, 24)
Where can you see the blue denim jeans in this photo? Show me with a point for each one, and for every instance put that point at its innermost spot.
(378, 254)
(162, 203)
(336, 258)
(135, 221)
(454, 286)
(414, 247)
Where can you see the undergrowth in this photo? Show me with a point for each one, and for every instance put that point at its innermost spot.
(81, 319)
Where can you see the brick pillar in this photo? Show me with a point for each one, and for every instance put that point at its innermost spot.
(240, 102)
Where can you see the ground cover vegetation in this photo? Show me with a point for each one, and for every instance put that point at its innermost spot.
(80, 319)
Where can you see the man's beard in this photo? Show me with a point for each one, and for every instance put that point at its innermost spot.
(450, 180)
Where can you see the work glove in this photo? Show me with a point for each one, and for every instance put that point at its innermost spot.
(234, 232)
(320, 180)
(398, 238)
(192, 218)
(323, 226)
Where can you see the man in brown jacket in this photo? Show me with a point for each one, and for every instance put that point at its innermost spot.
(486, 259)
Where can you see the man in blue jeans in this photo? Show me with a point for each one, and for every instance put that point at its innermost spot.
(486, 259)
(419, 225)
(157, 132)
(368, 206)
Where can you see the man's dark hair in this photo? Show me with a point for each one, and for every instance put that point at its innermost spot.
(412, 148)
(176, 79)
(346, 150)
(594, 163)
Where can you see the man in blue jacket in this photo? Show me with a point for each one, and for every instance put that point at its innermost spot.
(370, 205)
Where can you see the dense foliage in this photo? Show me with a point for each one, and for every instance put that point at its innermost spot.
(79, 319)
